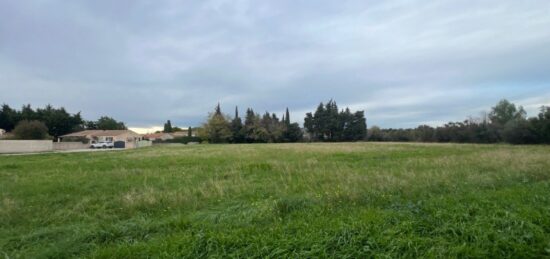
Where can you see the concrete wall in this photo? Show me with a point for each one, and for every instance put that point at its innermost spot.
(69, 145)
(25, 146)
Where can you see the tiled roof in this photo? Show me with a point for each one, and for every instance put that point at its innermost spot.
(154, 135)
(98, 133)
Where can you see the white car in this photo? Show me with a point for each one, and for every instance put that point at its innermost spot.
(103, 144)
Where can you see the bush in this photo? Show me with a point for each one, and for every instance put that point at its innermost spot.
(375, 134)
(31, 130)
(181, 140)
(519, 132)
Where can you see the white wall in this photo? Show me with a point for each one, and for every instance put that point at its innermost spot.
(25, 146)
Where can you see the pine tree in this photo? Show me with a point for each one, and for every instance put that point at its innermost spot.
(359, 126)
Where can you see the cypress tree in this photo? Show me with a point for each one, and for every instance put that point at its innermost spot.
(286, 118)
(167, 127)
(218, 110)
(237, 128)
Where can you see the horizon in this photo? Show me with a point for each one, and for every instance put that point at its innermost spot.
(404, 63)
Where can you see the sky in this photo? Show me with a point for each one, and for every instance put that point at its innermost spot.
(404, 63)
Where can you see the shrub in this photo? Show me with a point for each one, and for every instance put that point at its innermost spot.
(31, 130)
(182, 140)
(519, 132)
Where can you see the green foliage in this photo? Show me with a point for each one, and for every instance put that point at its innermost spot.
(293, 133)
(254, 132)
(217, 128)
(274, 127)
(375, 134)
(504, 112)
(337, 200)
(541, 125)
(264, 129)
(286, 117)
(57, 120)
(425, 133)
(519, 131)
(106, 123)
(181, 140)
(237, 129)
(168, 127)
(8, 118)
(504, 123)
(31, 130)
(327, 124)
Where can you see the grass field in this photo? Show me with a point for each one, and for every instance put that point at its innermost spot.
(279, 200)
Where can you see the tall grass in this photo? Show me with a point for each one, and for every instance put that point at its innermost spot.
(279, 200)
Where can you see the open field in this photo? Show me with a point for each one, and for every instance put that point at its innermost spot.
(279, 200)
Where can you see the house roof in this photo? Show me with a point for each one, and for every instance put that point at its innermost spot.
(99, 133)
(81, 133)
(182, 133)
(155, 135)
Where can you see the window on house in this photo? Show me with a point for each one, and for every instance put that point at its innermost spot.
(109, 139)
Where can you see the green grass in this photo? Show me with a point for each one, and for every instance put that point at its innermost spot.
(352, 200)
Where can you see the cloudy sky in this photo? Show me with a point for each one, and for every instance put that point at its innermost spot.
(404, 62)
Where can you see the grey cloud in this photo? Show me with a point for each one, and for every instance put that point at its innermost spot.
(404, 62)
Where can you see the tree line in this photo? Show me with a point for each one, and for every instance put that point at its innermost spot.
(51, 121)
(325, 124)
(256, 128)
(506, 122)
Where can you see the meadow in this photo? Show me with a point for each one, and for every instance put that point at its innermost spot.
(339, 200)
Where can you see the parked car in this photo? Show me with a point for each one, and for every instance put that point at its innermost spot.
(103, 144)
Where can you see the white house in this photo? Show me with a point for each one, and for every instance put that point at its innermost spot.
(129, 137)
